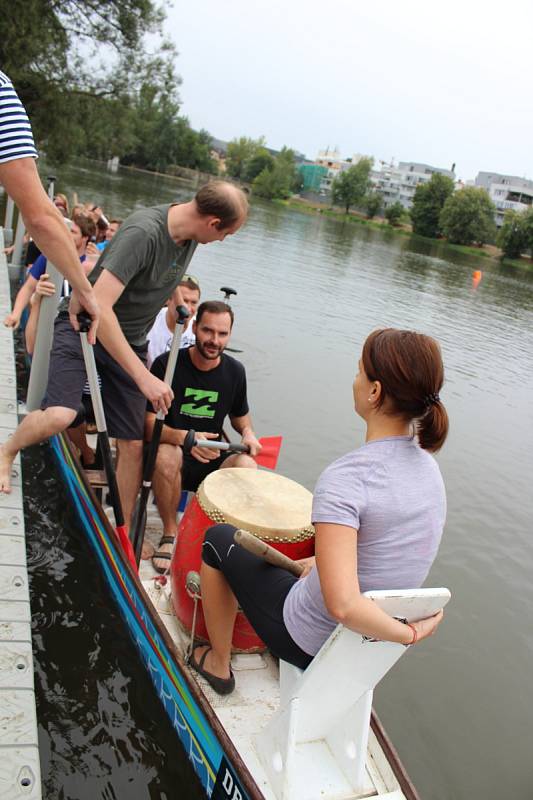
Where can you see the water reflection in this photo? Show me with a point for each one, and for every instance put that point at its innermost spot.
(102, 730)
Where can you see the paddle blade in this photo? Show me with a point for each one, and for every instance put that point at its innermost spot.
(268, 457)
(122, 533)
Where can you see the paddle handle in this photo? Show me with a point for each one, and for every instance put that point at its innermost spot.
(191, 441)
(216, 444)
(264, 550)
(179, 330)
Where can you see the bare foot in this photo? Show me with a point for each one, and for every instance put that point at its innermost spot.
(6, 462)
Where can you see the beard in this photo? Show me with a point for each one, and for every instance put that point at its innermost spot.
(211, 354)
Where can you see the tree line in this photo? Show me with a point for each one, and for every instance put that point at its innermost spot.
(465, 216)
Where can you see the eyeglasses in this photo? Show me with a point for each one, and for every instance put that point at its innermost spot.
(192, 279)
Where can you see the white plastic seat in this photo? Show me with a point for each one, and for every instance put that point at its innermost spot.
(324, 715)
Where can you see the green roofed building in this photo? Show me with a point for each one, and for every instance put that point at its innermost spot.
(312, 175)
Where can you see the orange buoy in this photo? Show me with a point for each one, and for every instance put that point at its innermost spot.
(476, 278)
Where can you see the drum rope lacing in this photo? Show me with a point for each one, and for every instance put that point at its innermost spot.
(217, 515)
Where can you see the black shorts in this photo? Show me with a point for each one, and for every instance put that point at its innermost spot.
(124, 404)
(193, 471)
(260, 589)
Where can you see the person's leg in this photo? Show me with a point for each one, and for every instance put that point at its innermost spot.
(129, 473)
(66, 376)
(78, 435)
(34, 428)
(124, 409)
(219, 606)
(167, 490)
(231, 576)
(241, 460)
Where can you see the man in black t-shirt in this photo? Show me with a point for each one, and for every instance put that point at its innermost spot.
(208, 386)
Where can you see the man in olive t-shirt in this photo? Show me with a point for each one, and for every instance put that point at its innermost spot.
(132, 280)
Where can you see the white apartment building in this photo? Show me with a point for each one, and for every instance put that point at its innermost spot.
(335, 164)
(398, 183)
(506, 192)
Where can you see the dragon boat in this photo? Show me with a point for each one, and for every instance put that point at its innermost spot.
(283, 734)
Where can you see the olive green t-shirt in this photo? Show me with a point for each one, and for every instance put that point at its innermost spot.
(144, 257)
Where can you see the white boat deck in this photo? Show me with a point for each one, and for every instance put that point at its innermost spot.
(247, 710)
(19, 750)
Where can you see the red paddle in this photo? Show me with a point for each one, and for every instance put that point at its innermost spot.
(270, 447)
(268, 457)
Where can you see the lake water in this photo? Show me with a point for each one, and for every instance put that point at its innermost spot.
(458, 708)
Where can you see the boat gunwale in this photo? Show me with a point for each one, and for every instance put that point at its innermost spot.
(393, 758)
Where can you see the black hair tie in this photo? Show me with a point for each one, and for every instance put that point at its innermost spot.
(431, 399)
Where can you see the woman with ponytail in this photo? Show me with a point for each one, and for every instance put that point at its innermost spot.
(378, 513)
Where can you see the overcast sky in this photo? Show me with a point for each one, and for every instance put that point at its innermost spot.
(436, 82)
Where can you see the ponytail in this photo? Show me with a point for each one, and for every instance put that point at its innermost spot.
(432, 428)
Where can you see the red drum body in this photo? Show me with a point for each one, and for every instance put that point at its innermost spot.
(272, 507)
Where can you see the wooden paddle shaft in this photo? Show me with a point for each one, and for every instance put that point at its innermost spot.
(264, 550)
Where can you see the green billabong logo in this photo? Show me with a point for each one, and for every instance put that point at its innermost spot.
(199, 407)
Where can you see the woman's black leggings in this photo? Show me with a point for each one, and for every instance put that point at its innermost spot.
(260, 589)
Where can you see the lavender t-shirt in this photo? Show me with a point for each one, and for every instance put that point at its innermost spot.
(392, 492)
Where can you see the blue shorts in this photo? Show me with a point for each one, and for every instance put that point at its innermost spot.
(124, 403)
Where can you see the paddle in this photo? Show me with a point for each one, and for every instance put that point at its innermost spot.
(268, 457)
(103, 439)
(138, 524)
(227, 293)
(227, 297)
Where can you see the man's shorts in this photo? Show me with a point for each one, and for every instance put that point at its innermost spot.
(193, 471)
(124, 403)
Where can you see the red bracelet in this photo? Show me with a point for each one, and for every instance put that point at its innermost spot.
(415, 634)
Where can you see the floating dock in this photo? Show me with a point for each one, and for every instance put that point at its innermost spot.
(20, 774)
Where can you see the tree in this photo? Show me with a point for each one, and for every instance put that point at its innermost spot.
(277, 182)
(372, 204)
(428, 203)
(75, 63)
(240, 153)
(527, 223)
(512, 235)
(257, 163)
(349, 188)
(468, 217)
(395, 213)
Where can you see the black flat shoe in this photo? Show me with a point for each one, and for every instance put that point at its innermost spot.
(220, 685)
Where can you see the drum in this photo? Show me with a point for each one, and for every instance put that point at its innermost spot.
(274, 508)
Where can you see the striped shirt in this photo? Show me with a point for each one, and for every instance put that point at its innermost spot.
(16, 138)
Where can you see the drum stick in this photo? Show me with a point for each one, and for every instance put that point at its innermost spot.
(259, 548)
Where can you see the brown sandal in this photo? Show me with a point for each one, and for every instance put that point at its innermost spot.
(162, 555)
